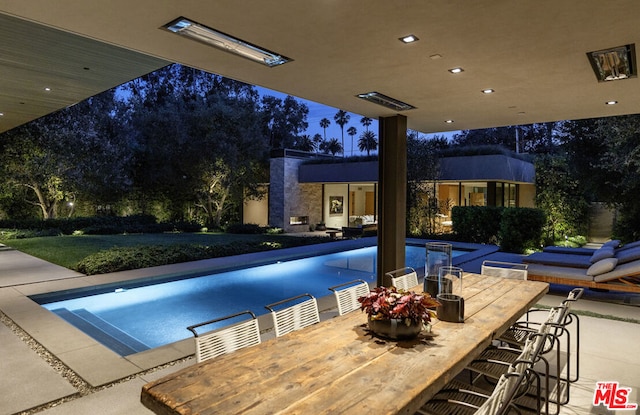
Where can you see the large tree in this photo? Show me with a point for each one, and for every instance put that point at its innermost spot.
(366, 122)
(423, 171)
(200, 142)
(559, 194)
(620, 167)
(332, 146)
(533, 138)
(74, 154)
(367, 142)
(352, 131)
(324, 124)
(342, 118)
(284, 120)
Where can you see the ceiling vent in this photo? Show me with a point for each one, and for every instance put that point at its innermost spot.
(615, 63)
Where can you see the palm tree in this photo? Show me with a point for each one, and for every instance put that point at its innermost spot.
(366, 122)
(317, 141)
(352, 131)
(332, 146)
(367, 142)
(342, 118)
(324, 123)
(305, 143)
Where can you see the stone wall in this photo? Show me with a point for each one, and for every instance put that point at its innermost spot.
(288, 197)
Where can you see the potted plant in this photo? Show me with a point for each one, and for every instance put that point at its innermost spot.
(398, 314)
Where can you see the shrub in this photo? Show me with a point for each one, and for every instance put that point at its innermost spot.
(28, 233)
(514, 229)
(245, 228)
(521, 228)
(126, 258)
(100, 225)
(476, 224)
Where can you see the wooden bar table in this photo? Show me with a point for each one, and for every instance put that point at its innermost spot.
(338, 367)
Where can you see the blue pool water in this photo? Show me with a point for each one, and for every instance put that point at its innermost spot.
(129, 320)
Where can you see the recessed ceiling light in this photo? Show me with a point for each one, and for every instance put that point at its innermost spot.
(449, 121)
(195, 31)
(611, 102)
(408, 39)
(488, 91)
(47, 89)
(1, 114)
(435, 56)
(456, 70)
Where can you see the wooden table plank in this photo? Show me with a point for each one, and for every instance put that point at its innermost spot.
(336, 366)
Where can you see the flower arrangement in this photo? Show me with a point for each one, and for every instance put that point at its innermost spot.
(384, 303)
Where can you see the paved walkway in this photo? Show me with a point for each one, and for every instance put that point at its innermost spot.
(28, 380)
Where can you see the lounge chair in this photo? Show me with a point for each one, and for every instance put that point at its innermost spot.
(558, 259)
(615, 244)
(568, 250)
(576, 257)
(607, 274)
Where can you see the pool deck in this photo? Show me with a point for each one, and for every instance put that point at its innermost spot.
(112, 383)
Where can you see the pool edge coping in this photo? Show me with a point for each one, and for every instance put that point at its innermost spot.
(97, 364)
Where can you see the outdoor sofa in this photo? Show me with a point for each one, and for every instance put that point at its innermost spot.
(611, 267)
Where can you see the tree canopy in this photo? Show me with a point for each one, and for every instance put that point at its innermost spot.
(177, 143)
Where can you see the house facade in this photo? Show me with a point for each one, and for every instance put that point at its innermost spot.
(341, 194)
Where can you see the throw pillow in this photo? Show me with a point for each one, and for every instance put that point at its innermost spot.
(602, 266)
(602, 253)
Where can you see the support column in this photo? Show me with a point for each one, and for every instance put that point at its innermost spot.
(392, 191)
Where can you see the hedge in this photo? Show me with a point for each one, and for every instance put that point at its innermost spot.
(96, 225)
(135, 257)
(514, 229)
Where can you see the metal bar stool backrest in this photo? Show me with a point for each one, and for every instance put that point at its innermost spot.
(300, 314)
(403, 278)
(573, 296)
(228, 339)
(512, 383)
(347, 295)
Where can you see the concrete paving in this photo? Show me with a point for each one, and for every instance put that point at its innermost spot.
(113, 386)
(27, 380)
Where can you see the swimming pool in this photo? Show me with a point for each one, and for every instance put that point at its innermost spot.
(130, 318)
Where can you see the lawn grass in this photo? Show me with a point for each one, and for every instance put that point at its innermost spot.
(68, 250)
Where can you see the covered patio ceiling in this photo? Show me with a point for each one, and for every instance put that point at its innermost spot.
(532, 53)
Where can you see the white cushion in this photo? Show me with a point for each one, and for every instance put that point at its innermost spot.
(602, 266)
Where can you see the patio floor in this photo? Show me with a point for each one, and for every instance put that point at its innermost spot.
(58, 380)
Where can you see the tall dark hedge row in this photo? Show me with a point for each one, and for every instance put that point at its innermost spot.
(514, 229)
(98, 225)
